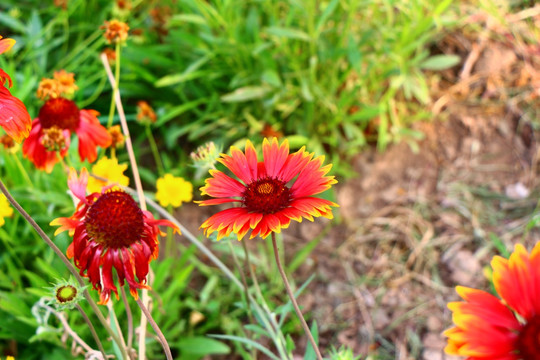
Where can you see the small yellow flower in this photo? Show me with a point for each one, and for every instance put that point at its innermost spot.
(173, 190)
(5, 209)
(108, 169)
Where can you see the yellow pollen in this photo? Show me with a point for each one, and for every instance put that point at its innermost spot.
(265, 189)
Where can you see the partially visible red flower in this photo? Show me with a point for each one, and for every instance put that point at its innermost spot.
(508, 328)
(14, 117)
(270, 193)
(6, 44)
(65, 115)
(110, 231)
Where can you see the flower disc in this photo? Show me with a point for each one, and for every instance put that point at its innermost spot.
(266, 196)
(528, 341)
(114, 220)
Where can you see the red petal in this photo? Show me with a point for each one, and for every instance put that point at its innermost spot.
(6, 44)
(222, 186)
(91, 134)
(34, 150)
(14, 117)
(274, 156)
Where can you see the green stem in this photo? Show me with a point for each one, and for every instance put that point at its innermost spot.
(68, 264)
(23, 171)
(155, 151)
(116, 85)
(293, 300)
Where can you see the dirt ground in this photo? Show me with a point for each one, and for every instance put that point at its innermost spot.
(413, 225)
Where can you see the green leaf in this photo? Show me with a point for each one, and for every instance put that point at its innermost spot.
(246, 93)
(440, 62)
(326, 14)
(201, 346)
(310, 352)
(288, 33)
(248, 342)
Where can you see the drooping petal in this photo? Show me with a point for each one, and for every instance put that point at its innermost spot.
(91, 134)
(14, 117)
(65, 224)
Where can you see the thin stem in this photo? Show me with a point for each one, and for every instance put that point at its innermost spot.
(271, 328)
(92, 330)
(66, 262)
(246, 293)
(138, 185)
(156, 329)
(22, 170)
(68, 328)
(115, 85)
(114, 319)
(129, 316)
(155, 151)
(293, 300)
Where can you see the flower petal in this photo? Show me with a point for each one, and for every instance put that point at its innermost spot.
(14, 117)
(221, 186)
(275, 156)
(91, 134)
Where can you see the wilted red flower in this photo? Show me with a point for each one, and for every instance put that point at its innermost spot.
(269, 198)
(115, 31)
(66, 116)
(145, 113)
(110, 230)
(14, 117)
(490, 328)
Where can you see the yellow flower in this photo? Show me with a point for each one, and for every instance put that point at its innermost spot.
(5, 209)
(108, 169)
(173, 190)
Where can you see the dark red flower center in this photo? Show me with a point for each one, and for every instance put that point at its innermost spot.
(114, 220)
(266, 196)
(528, 342)
(59, 112)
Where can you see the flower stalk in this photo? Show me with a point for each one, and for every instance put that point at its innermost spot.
(293, 300)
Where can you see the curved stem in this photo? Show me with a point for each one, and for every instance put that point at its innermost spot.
(293, 300)
(129, 316)
(66, 262)
(92, 330)
(156, 328)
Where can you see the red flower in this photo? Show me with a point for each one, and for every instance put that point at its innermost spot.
(64, 115)
(267, 195)
(489, 328)
(110, 230)
(14, 117)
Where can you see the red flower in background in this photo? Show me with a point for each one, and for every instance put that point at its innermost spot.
(14, 117)
(268, 196)
(110, 231)
(508, 328)
(60, 115)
